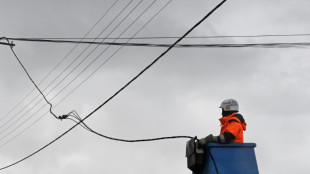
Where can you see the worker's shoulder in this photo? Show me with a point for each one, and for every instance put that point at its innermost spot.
(239, 117)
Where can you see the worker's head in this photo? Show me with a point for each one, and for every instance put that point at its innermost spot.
(229, 106)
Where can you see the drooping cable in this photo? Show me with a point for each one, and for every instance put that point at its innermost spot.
(146, 68)
(170, 37)
(75, 115)
(21, 64)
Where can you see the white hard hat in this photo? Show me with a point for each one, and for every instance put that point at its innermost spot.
(230, 105)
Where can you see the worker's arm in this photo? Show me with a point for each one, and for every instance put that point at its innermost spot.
(208, 139)
(225, 138)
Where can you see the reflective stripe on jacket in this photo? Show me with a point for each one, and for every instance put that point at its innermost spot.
(235, 125)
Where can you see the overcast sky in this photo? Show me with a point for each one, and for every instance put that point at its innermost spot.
(179, 95)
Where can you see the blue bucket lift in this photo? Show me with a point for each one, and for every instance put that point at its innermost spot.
(234, 158)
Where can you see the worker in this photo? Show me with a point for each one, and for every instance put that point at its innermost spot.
(232, 125)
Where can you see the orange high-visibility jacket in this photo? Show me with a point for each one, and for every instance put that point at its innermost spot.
(235, 125)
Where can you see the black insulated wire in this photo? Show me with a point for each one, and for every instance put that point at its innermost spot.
(167, 37)
(50, 109)
(75, 115)
(253, 45)
(138, 75)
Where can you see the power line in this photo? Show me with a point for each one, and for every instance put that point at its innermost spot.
(262, 45)
(121, 89)
(170, 37)
(75, 115)
(266, 45)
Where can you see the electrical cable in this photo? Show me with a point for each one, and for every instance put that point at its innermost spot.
(50, 109)
(261, 45)
(172, 37)
(121, 89)
(75, 115)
